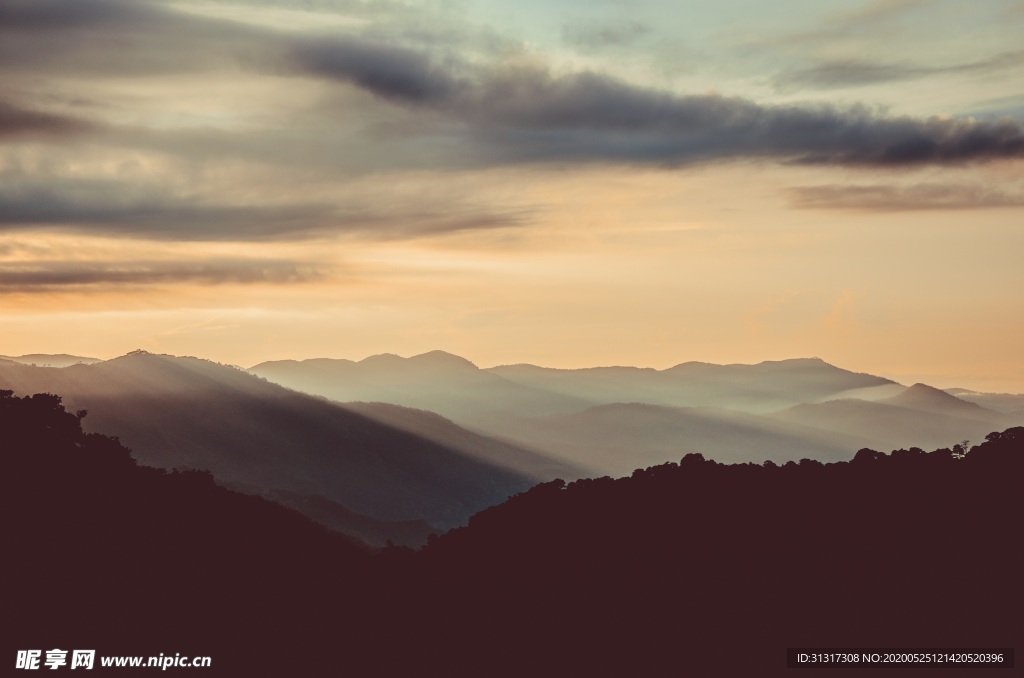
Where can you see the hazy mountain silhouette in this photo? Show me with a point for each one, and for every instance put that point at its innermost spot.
(437, 381)
(187, 412)
(929, 399)
(1007, 403)
(612, 419)
(456, 388)
(920, 416)
(618, 438)
(762, 387)
(50, 360)
(434, 427)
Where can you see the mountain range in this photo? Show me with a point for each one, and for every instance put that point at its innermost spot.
(611, 420)
(178, 412)
(690, 568)
(392, 449)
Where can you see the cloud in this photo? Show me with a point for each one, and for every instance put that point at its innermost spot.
(483, 112)
(869, 20)
(529, 114)
(43, 15)
(117, 37)
(878, 10)
(887, 198)
(434, 108)
(106, 207)
(111, 207)
(48, 276)
(390, 72)
(19, 123)
(857, 72)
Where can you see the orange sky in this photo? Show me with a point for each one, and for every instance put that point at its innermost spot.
(547, 199)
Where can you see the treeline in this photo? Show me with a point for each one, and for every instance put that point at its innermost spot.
(694, 568)
(707, 567)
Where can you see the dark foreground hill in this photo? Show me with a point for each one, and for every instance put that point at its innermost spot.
(694, 568)
(103, 554)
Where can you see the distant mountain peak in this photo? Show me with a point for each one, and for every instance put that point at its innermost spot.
(443, 358)
(923, 395)
(921, 390)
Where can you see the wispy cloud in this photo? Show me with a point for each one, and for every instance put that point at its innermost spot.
(19, 123)
(888, 198)
(859, 72)
(48, 276)
(595, 36)
(121, 208)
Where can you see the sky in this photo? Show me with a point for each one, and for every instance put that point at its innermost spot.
(566, 183)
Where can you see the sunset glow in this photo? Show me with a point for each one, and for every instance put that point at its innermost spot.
(567, 185)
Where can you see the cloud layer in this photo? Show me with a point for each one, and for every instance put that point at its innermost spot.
(50, 276)
(361, 100)
(889, 198)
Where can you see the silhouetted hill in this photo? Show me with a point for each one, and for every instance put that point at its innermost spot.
(121, 558)
(699, 568)
(187, 412)
(695, 568)
(370, 531)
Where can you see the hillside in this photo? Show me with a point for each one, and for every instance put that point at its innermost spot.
(608, 420)
(700, 568)
(691, 568)
(618, 438)
(884, 425)
(929, 399)
(138, 560)
(754, 388)
(437, 381)
(186, 412)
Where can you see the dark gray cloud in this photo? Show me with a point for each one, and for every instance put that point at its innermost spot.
(465, 112)
(44, 15)
(398, 103)
(855, 73)
(17, 122)
(48, 276)
(119, 38)
(523, 114)
(116, 208)
(887, 198)
(390, 72)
